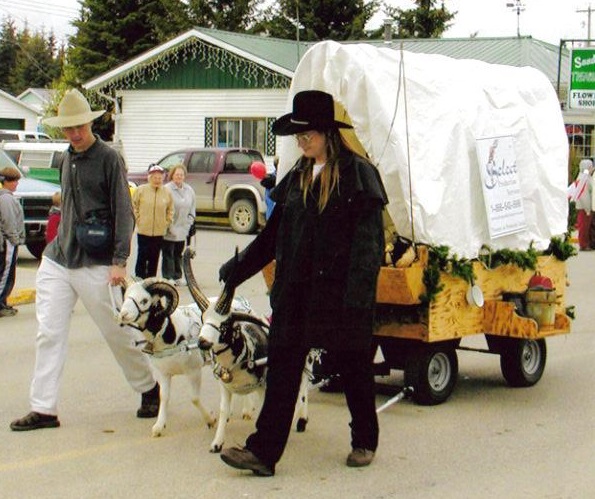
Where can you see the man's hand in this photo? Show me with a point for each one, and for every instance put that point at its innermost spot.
(117, 275)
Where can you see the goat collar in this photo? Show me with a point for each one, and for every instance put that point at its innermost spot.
(225, 374)
(183, 346)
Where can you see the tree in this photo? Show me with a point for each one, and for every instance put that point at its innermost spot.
(110, 32)
(28, 59)
(8, 52)
(425, 21)
(228, 15)
(38, 62)
(318, 19)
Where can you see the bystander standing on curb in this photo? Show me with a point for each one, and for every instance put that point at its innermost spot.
(12, 234)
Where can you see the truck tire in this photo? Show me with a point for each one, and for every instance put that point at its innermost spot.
(36, 248)
(522, 361)
(243, 216)
(432, 373)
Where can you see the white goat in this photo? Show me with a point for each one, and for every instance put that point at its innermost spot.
(151, 306)
(238, 344)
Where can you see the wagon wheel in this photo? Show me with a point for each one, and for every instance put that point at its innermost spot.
(522, 361)
(432, 372)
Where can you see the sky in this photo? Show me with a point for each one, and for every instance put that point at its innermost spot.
(547, 20)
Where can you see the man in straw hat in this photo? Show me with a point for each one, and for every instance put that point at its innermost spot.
(93, 178)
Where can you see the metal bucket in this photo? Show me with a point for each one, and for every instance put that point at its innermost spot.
(541, 306)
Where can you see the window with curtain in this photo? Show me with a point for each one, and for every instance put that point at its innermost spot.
(247, 132)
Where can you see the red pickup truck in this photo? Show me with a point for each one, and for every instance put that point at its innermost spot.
(224, 187)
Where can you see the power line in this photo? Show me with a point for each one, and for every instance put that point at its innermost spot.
(38, 7)
(32, 59)
(35, 14)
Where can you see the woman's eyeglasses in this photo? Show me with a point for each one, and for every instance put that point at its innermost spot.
(303, 138)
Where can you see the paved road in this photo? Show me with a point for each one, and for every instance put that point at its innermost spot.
(486, 441)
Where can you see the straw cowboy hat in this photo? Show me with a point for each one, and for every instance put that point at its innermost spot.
(312, 110)
(74, 110)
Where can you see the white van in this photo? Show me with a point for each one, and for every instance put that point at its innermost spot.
(39, 159)
(23, 135)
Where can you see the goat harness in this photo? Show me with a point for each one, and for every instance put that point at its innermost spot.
(182, 347)
(225, 374)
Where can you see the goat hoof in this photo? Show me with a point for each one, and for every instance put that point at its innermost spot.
(216, 449)
(157, 432)
(301, 425)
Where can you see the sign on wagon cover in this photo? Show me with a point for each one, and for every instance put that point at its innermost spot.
(500, 185)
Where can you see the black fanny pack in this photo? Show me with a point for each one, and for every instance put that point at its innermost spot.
(94, 235)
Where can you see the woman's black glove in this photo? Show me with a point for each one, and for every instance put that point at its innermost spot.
(268, 182)
(226, 272)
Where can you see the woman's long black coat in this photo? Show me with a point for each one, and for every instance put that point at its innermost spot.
(327, 263)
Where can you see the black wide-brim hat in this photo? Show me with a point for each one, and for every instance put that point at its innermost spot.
(312, 110)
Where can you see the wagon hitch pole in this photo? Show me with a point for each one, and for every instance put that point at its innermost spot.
(406, 392)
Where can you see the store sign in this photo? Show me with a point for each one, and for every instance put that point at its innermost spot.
(582, 79)
(501, 187)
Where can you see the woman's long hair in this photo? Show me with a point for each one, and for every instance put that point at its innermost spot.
(329, 175)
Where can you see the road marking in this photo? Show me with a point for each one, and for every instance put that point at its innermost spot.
(22, 296)
(76, 454)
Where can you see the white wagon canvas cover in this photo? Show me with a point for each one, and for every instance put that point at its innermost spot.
(420, 119)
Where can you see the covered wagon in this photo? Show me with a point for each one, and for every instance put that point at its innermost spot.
(474, 159)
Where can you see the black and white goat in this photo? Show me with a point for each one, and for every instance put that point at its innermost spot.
(151, 307)
(238, 344)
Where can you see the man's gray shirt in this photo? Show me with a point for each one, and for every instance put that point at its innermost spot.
(99, 177)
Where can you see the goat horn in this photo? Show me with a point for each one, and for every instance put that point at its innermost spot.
(223, 305)
(199, 297)
(156, 285)
(128, 281)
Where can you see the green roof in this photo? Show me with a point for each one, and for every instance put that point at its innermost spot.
(284, 53)
(523, 51)
(281, 57)
(513, 51)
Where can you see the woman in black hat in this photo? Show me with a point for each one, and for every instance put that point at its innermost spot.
(326, 235)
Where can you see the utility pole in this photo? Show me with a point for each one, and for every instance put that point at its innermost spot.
(588, 11)
(297, 16)
(518, 6)
(297, 28)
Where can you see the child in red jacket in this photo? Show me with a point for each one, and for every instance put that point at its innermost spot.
(53, 218)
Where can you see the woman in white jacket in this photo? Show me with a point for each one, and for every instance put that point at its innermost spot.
(181, 227)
